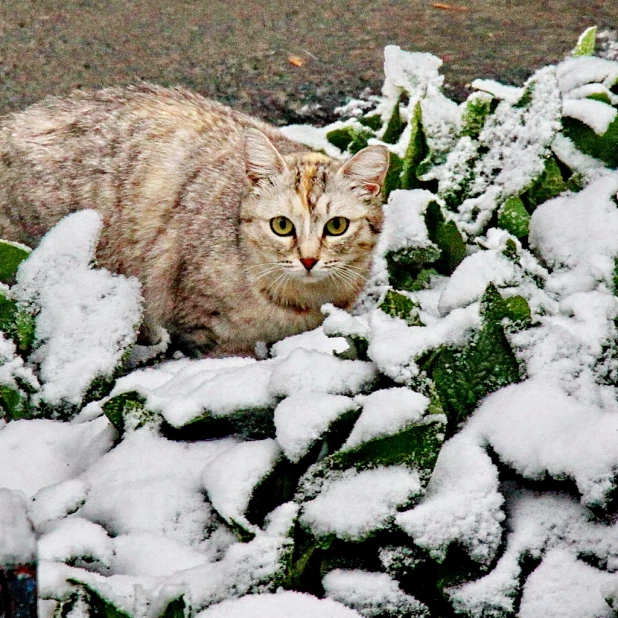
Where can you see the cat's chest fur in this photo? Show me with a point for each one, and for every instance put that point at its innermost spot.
(235, 233)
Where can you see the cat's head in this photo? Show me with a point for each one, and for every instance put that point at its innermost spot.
(309, 223)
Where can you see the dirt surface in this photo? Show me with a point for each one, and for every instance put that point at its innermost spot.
(276, 59)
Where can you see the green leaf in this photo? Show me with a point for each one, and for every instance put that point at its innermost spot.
(514, 218)
(119, 408)
(495, 309)
(474, 114)
(17, 323)
(393, 176)
(8, 311)
(373, 121)
(350, 138)
(405, 265)
(464, 376)
(11, 256)
(416, 446)
(423, 279)
(603, 147)
(400, 306)
(13, 403)
(395, 126)
(341, 138)
(446, 236)
(549, 184)
(416, 152)
(251, 423)
(586, 42)
(518, 311)
(175, 608)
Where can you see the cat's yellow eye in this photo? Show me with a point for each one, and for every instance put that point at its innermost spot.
(282, 226)
(336, 226)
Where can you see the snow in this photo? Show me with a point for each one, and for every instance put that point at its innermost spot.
(355, 504)
(185, 390)
(75, 538)
(462, 504)
(564, 587)
(511, 94)
(394, 349)
(12, 366)
(281, 605)
(470, 279)
(37, 453)
(569, 440)
(300, 420)
(579, 232)
(371, 593)
(309, 370)
(230, 478)
(386, 412)
(404, 224)
(86, 318)
(17, 541)
(595, 114)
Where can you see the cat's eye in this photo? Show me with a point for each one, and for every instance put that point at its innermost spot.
(282, 226)
(336, 226)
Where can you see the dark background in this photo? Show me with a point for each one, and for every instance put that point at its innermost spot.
(246, 53)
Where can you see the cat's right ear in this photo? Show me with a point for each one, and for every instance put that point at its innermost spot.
(262, 159)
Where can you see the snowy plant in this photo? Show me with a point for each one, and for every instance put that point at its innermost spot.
(448, 448)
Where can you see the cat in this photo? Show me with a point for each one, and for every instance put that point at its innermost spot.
(236, 233)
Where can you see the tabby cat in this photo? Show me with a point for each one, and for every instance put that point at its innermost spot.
(236, 234)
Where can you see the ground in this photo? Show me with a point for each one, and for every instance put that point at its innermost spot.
(273, 58)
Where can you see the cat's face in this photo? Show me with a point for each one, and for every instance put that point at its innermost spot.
(309, 224)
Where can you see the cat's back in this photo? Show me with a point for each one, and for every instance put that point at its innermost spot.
(112, 148)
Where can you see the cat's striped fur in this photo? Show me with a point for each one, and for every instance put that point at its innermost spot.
(187, 189)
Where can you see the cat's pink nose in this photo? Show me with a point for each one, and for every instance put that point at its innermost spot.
(308, 263)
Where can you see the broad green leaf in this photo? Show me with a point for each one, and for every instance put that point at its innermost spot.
(341, 138)
(475, 112)
(373, 121)
(393, 176)
(13, 403)
(118, 409)
(400, 306)
(518, 311)
(11, 256)
(416, 152)
(586, 42)
(423, 279)
(17, 323)
(445, 235)
(349, 138)
(394, 127)
(416, 446)
(464, 376)
(405, 265)
(514, 218)
(603, 147)
(549, 184)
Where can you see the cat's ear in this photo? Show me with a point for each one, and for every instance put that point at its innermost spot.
(368, 167)
(262, 159)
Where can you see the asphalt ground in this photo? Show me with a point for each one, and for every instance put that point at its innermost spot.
(283, 60)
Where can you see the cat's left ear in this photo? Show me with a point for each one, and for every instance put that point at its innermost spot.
(262, 159)
(368, 167)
